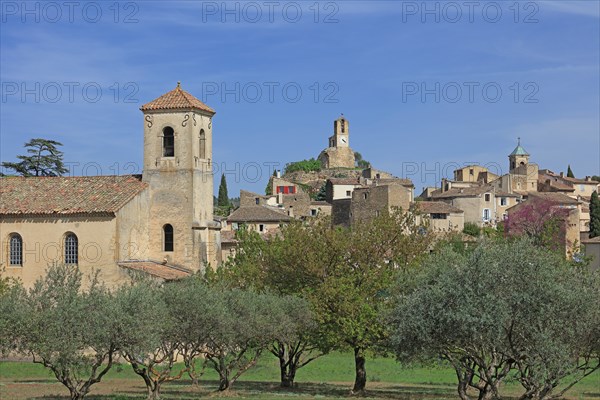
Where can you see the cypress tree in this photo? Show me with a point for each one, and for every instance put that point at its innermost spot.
(594, 215)
(570, 173)
(223, 200)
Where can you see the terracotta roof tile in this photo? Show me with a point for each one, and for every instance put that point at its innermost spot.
(176, 99)
(67, 195)
(462, 192)
(156, 269)
(345, 181)
(437, 207)
(258, 214)
(399, 181)
(554, 197)
(228, 237)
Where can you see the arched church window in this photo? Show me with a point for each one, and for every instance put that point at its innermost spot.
(15, 249)
(71, 249)
(168, 142)
(168, 237)
(202, 144)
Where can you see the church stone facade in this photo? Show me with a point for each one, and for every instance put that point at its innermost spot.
(160, 223)
(338, 154)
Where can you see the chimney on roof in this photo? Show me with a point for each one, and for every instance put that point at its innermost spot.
(588, 178)
(562, 175)
(278, 173)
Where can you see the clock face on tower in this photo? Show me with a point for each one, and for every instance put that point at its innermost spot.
(344, 140)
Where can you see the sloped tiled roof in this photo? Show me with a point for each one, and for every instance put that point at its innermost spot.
(228, 237)
(258, 214)
(437, 207)
(554, 184)
(176, 99)
(554, 197)
(156, 269)
(67, 195)
(580, 181)
(344, 181)
(398, 181)
(462, 192)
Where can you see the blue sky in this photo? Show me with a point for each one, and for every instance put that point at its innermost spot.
(426, 86)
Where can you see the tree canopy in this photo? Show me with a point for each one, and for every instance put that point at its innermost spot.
(304, 165)
(345, 274)
(43, 159)
(508, 306)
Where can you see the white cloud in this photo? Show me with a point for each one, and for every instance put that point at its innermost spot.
(590, 8)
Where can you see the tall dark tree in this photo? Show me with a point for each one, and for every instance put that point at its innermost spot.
(570, 172)
(223, 200)
(322, 193)
(595, 215)
(43, 159)
(269, 188)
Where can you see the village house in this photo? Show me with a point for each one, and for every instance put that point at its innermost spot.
(475, 174)
(482, 205)
(160, 222)
(442, 217)
(258, 218)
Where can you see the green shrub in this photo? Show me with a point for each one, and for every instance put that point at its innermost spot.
(471, 229)
(304, 165)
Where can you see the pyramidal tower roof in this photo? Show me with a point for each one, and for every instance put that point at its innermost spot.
(176, 99)
(519, 150)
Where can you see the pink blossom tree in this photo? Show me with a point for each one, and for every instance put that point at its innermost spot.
(542, 220)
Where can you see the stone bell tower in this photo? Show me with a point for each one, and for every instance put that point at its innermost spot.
(519, 157)
(338, 154)
(178, 171)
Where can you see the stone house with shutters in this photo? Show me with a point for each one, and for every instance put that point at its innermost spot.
(160, 222)
(482, 205)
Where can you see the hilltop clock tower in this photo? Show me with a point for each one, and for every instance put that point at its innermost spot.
(338, 154)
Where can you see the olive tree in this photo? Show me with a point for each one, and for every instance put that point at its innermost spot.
(151, 344)
(289, 264)
(355, 290)
(244, 324)
(555, 335)
(507, 306)
(69, 328)
(191, 300)
(344, 274)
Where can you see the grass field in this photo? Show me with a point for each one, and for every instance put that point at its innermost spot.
(327, 378)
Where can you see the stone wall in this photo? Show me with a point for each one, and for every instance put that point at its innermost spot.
(368, 203)
(337, 157)
(340, 212)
